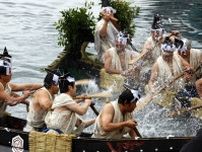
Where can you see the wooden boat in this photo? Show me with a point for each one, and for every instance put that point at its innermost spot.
(18, 141)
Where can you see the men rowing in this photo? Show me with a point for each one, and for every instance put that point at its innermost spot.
(116, 118)
(63, 116)
(41, 103)
(8, 89)
(167, 69)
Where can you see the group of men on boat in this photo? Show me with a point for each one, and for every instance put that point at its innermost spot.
(165, 58)
(60, 114)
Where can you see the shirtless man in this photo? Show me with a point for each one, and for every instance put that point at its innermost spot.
(41, 103)
(151, 49)
(165, 72)
(63, 117)
(192, 56)
(116, 118)
(117, 59)
(105, 31)
(7, 89)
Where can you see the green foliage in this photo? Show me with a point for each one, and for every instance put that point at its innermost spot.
(73, 24)
(125, 14)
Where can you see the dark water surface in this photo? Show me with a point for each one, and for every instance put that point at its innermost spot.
(26, 28)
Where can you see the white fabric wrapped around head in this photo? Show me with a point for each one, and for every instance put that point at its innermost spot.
(121, 38)
(5, 67)
(186, 45)
(55, 78)
(70, 79)
(108, 10)
(135, 94)
(169, 48)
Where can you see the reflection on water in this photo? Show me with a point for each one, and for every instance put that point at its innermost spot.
(26, 28)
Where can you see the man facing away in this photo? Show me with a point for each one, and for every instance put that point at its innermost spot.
(63, 117)
(116, 119)
(41, 103)
(7, 89)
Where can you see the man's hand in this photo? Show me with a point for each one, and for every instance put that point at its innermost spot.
(188, 73)
(131, 123)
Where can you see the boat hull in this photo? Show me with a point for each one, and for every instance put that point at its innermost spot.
(19, 140)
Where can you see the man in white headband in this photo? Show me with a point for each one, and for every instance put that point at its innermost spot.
(116, 119)
(192, 56)
(7, 89)
(151, 49)
(64, 115)
(105, 31)
(41, 102)
(117, 59)
(167, 67)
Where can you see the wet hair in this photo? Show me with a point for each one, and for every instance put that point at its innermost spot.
(64, 84)
(5, 63)
(3, 70)
(48, 80)
(126, 97)
(156, 24)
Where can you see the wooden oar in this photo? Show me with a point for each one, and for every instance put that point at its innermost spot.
(184, 110)
(83, 81)
(145, 100)
(104, 94)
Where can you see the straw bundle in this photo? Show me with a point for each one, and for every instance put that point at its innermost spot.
(42, 142)
(113, 81)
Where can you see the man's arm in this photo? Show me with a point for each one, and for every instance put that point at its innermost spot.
(154, 76)
(43, 99)
(12, 100)
(103, 31)
(25, 86)
(107, 118)
(79, 109)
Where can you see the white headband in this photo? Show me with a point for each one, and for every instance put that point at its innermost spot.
(170, 48)
(121, 38)
(70, 79)
(108, 10)
(135, 94)
(55, 78)
(184, 46)
(6, 65)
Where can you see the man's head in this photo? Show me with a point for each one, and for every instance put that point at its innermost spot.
(170, 44)
(108, 10)
(128, 100)
(51, 81)
(67, 84)
(156, 28)
(184, 50)
(5, 66)
(121, 41)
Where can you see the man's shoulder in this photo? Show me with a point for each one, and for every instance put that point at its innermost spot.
(63, 96)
